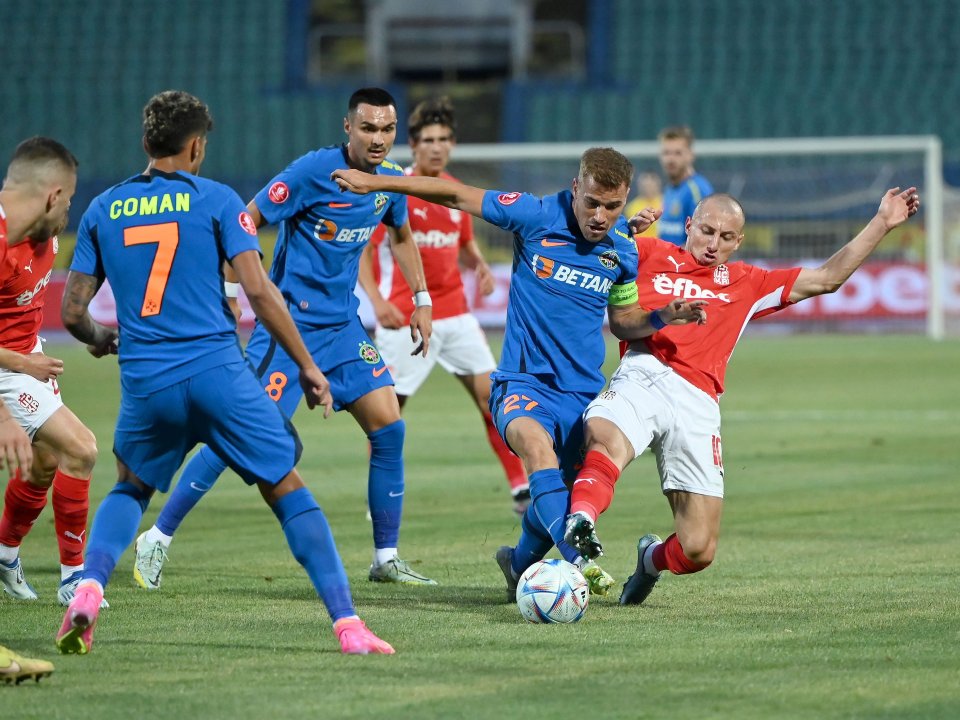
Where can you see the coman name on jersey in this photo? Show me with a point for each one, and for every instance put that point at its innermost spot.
(685, 288)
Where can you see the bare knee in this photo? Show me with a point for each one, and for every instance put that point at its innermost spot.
(700, 548)
(80, 455)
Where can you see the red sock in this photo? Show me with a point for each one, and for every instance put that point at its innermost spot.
(71, 503)
(512, 466)
(22, 505)
(593, 489)
(669, 556)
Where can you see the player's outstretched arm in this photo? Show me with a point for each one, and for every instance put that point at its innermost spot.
(439, 191)
(407, 255)
(76, 318)
(388, 314)
(896, 207)
(632, 322)
(268, 304)
(37, 365)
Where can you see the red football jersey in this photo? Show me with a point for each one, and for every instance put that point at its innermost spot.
(439, 232)
(25, 271)
(735, 293)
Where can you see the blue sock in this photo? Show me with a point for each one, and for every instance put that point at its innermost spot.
(385, 483)
(543, 523)
(197, 478)
(114, 528)
(311, 542)
(534, 543)
(549, 499)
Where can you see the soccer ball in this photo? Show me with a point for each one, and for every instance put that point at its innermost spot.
(552, 591)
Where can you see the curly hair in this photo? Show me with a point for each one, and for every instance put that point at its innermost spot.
(609, 168)
(436, 111)
(170, 119)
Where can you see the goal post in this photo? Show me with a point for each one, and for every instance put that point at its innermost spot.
(804, 198)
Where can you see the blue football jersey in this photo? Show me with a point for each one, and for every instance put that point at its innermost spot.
(322, 233)
(161, 240)
(558, 290)
(679, 202)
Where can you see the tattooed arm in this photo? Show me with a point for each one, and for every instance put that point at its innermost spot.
(75, 314)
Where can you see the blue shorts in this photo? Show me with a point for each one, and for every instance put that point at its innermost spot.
(223, 407)
(559, 412)
(344, 353)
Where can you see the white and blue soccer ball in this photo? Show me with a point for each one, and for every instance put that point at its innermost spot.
(552, 591)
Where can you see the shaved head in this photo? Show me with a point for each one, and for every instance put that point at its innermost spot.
(40, 162)
(720, 202)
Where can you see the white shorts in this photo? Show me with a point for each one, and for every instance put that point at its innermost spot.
(30, 401)
(655, 407)
(457, 343)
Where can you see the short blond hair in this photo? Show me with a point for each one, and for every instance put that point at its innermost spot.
(608, 168)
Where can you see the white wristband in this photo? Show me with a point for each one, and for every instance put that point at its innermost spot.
(231, 289)
(422, 299)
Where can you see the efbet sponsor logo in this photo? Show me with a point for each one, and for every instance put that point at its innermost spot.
(685, 288)
(327, 230)
(27, 296)
(545, 269)
(436, 239)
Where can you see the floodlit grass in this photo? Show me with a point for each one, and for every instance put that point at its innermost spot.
(834, 594)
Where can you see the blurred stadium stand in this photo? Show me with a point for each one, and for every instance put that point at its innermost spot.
(600, 70)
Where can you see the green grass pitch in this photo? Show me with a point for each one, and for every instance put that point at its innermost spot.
(835, 593)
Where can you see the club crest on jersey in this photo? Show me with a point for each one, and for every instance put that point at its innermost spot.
(56, 244)
(325, 230)
(278, 192)
(379, 203)
(247, 223)
(721, 275)
(609, 259)
(369, 353)
(508, 198)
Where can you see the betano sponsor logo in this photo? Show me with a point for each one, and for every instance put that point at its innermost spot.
(328, 230)
(545, 268)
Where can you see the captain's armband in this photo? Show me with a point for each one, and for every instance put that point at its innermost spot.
(623, 294)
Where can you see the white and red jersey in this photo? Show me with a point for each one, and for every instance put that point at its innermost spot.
(735, 293)
(25, 271)
(439, 232)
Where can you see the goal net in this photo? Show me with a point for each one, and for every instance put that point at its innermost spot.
(804, 198)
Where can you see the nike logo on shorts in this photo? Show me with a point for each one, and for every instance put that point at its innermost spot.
(377, 372)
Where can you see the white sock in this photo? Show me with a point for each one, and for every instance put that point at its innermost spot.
(382, 555)
(68, 570)
(154, 535)
(9, 554)
(648, 566)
